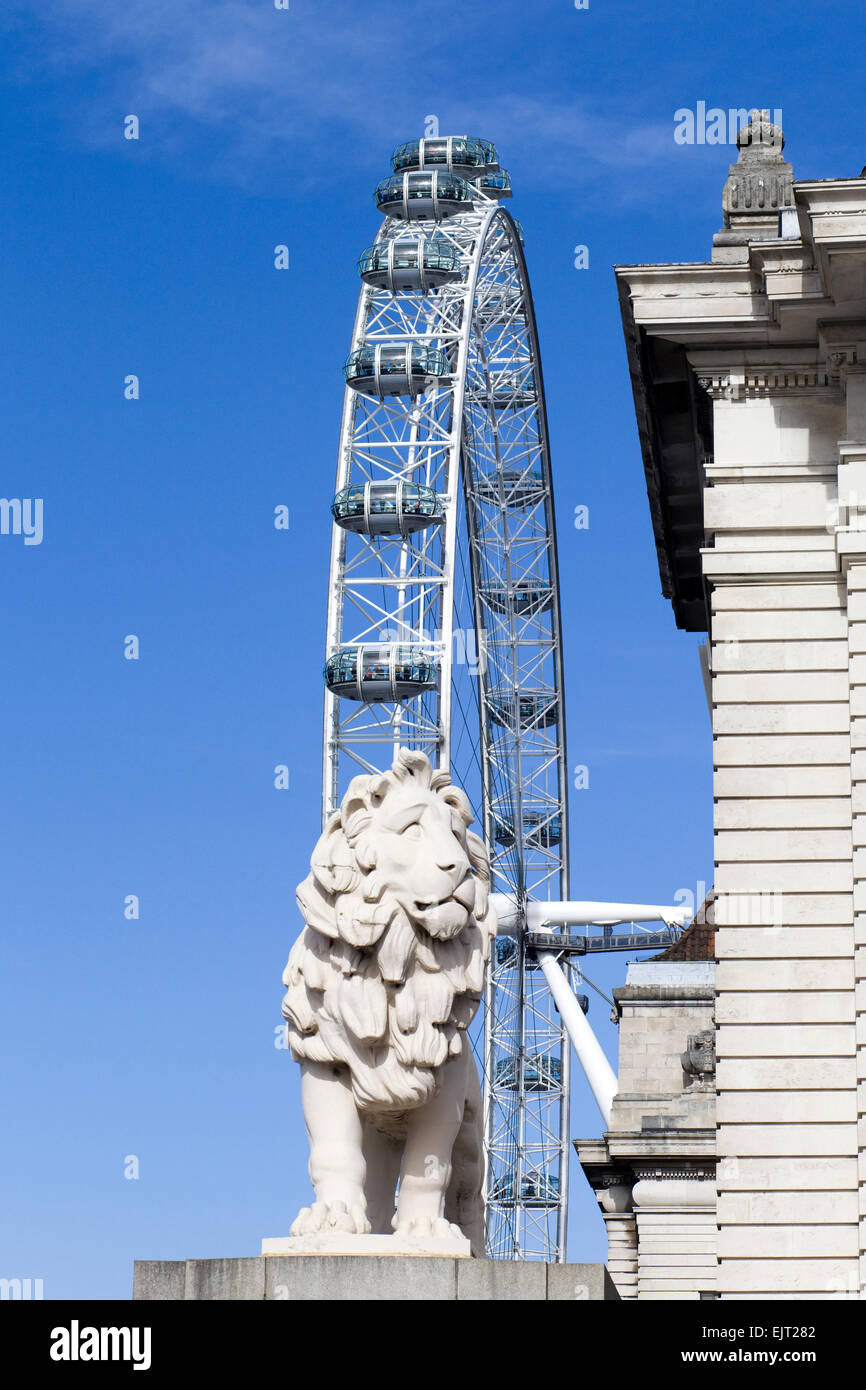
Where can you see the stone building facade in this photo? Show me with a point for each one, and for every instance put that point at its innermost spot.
(653, 1172)
(749, 378)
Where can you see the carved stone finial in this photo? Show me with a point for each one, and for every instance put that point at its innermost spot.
(758, 186)
(760, 134)
(699, 1061)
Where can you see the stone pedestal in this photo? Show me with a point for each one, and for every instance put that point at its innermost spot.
(369, 1278)
(456, 1247)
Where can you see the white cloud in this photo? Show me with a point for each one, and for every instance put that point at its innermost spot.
(324, 84)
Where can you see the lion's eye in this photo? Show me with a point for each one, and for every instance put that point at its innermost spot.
(412, 830)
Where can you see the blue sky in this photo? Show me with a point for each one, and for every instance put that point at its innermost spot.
(154, 1037)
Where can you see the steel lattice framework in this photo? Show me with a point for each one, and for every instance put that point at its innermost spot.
(473, 599)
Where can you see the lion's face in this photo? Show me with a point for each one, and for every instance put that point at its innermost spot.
(421, 854)
(388, 972)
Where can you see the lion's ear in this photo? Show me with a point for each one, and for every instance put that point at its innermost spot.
(458, 801)
(409, 762)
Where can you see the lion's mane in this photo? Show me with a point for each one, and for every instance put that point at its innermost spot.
(367, 987)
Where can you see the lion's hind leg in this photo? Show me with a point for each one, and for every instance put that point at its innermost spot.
(426, 1171)
(383, 1155)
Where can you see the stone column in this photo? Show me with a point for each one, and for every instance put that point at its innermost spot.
(676, 1229)
(622, 1257)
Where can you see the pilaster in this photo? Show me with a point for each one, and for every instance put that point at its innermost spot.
(851, 544)
(780, 641)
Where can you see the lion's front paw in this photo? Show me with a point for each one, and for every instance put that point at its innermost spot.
(322, 1217)
(423, 1228)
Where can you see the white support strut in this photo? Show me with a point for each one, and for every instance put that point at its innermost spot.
(538, 918)
(538, 915)
(597, 1069)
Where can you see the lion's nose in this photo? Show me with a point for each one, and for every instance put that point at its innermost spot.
(455, 865)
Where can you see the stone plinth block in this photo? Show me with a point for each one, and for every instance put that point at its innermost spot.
(346, 1243)
(365, 1278)
(498, 1281)
(224, 1280)
(580, 1283)
(160, 1280)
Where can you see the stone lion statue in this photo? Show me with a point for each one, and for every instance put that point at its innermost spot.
(382, 984)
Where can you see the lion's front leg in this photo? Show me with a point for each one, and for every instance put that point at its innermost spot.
(426, 1170)
(337, 1168)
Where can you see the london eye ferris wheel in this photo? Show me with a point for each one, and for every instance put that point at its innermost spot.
(443, 627)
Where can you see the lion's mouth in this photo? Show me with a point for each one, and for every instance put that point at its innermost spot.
(463, 895)
(443, 918)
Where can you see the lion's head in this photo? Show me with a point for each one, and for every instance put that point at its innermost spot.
(388, 972)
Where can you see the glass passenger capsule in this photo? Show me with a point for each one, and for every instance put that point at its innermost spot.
(496, 185)
(421, 193)
(535, 709)
(502, 1190)
(460, 154)
(512, 390)
(499, 304)
(548, 829)
(539, 1073)
(489, 149)
(392, 508)
(505, 948)
(539, 1190)
(394, 369)
(540, 830)
(527, 596)
(408, 263)
(519, 487)
(381, 674)
(536, 1190)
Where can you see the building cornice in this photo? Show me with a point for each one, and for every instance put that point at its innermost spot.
(785, 320)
